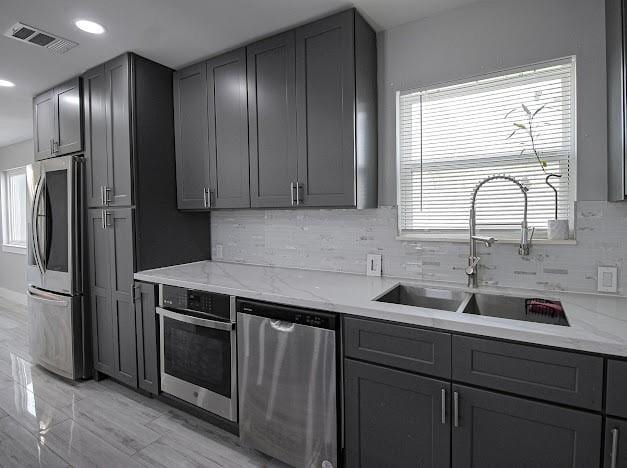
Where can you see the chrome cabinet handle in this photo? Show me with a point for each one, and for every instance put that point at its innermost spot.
(104, 219)
(107, 195)
(107, 218)
(614, 453)
(102, 197)
(443, 406)
(455, 409)
(206, 197)
(292, 193)
(51, 146)
(297, 193)
(55, 146)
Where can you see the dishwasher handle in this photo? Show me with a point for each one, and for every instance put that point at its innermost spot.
(282, 325)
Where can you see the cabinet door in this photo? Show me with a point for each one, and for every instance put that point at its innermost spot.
(272, 121)
(191, 137)
(615, 450)
(120, 226)
(499, 430)
(100, 292)
(325, 96)
(68, 117)
(96, 150)
(43, 124)
(118, 132)
(228, 130)
(146, 327)
(394, 418)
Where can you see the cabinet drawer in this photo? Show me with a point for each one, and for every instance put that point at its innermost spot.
(399, 346)
(559, 376)
(617, 388)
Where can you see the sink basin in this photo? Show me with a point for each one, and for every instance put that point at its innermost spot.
(517, 308)
(431, 298)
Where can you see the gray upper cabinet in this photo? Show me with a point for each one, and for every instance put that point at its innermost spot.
(58, 120)
(94, 98)
(191, 137)
(494, 430)
(272, 121)
(616, 52)
(228, 131)
(146, 328)
(395, 419)
(325, 97)
(68, 105)
(108, 134)
(43, 124)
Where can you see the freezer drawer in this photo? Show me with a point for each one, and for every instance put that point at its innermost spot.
(55, 332)
(287, 397)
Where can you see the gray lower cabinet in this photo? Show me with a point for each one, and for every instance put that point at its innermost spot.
(228, 131)
(616, 388)
(615, 448)
(110, 241)
(191, 137)
(395, 419)
(146, 328)
(495, 430)
(272, 121)
(58, 120)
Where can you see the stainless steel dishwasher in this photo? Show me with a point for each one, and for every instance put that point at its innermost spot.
(288, 383)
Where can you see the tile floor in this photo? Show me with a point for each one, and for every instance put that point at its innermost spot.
(48, 421)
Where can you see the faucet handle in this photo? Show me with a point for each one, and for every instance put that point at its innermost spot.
(472, 263)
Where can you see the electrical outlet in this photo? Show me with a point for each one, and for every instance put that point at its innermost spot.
(219, 253)
(607, 279)
(373, 265)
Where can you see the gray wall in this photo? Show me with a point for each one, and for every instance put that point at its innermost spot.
(490, 36)
(13, 266)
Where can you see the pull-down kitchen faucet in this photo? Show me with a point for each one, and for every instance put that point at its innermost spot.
(525, 237)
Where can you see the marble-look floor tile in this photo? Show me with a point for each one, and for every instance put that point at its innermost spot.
(117, 420)
(82, 448)
(189, 441)
(30, 410)
(19, 448)
(57, 391)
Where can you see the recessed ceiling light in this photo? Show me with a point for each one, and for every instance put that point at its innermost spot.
(6, 83)
(89, 26)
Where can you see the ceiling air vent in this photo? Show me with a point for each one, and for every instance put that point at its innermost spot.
(24, 33)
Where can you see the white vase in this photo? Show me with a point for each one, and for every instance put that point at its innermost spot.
(557, 229)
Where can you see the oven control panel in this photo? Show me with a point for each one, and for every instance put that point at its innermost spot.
(205, 302)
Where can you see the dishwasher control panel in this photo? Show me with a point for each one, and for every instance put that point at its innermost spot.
(312, 318)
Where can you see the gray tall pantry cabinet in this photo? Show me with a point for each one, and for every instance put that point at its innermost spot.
(133, 220)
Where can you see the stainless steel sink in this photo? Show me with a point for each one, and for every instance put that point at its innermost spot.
(431, 298)
(517, 308)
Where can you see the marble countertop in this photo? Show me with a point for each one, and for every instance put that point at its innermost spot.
(598, 323)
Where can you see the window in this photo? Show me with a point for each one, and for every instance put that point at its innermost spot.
(520, 123)
(14, 210)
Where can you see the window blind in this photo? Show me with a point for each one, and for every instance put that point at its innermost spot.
(450, 138)
(14, 212)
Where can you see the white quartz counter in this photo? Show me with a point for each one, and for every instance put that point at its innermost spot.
(598, 324)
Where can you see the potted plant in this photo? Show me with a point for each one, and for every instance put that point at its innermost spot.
(557, 229)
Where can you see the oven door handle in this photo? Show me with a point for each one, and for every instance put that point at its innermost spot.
(216, 324)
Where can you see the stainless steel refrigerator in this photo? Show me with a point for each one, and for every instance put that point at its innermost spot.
(59, 325)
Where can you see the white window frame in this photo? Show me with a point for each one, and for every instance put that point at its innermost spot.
(9, 247)
(503, 236)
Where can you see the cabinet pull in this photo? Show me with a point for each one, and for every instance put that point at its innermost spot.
(107, 195)
(104, 219)
(102, 198)
(55, 146)
(297, 193)
(455, 409)
(51, 147)
(106, 216)
(209, 191)
(292, 193)
(206, 200)
(614, 453)
(443, 406)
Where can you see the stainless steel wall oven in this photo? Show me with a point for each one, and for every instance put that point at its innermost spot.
(198, 349)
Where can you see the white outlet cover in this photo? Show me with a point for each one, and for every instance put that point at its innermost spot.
(373, 265)
(219, 252)
(607, 279)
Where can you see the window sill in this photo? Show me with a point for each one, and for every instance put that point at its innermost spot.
(463, 238)
(14, 249)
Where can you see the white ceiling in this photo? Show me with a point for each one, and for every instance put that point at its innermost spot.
(172, 32)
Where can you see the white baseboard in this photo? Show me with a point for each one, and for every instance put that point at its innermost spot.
(13, 296)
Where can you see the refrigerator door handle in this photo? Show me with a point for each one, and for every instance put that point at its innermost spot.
(35, 226)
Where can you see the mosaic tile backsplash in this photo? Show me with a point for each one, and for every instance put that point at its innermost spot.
(338, 240)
